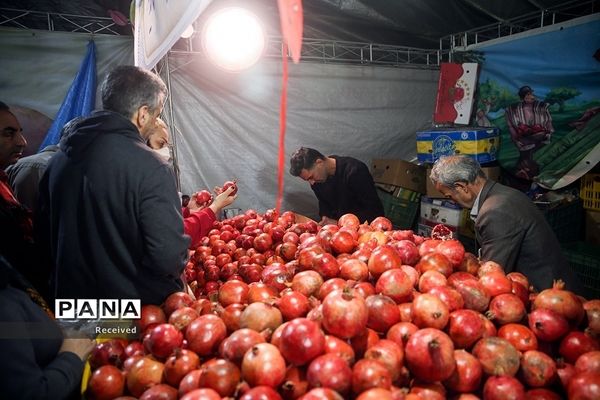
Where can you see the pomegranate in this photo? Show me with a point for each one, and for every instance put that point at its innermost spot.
(428, 311)
(400, 332)
(106, 383)
(561, 301)
(110, 352)
(182, 317)
(542, 394)
(205, 333)
(201, 394)
(340, 348)
(260, 316)
(151, 315)
(301, 341)
(537, 369)
(584, 386)
(465, 328)
(429, 355)
(263, 364)
(389, 353)
(453, 250)
(467, 375)
(434, 261)
(506, 308)
(495, 283)
(293, 304)
(383, 258)
(144, 374)
(179, 365)
(548, 325)
(220, 375)
(162, 340)
(502, 388)
(395, 284)
(177, 300)
(235, 345)
(344, 314)
(329, 371)
(522, 338)
(367, 374)
(160, 392)
(382, 312)
(261, 392)
(588, 362)
(497, 356)
(229, 184)
(575, 344)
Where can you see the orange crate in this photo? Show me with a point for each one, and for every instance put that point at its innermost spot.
(590, 191)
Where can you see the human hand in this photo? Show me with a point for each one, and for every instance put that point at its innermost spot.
(200, 200)
(223, 199)
(82, 347)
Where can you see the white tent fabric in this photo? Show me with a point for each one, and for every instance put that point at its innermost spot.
(38, 67)
(227, 125)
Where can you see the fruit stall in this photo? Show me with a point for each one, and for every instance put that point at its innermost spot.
(281, 309)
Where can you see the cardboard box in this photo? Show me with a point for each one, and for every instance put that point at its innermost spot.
(399, 173)
(477, 142)
(492, 173)
(439, 211)
(592, 227)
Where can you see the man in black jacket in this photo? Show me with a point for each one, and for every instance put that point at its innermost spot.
(109, 208)
(342, 185)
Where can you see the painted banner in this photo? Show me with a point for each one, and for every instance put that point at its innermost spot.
(545, 99)
(158, 24)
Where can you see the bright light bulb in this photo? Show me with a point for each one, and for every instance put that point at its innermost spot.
(233, 38)
(189, 31)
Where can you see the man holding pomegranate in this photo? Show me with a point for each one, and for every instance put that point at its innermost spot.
(342, 185)
(509, 228)
(110, 213)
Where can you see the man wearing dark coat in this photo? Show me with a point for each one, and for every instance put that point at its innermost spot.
(509, 228)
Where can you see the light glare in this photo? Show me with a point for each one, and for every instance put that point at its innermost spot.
(233, 39)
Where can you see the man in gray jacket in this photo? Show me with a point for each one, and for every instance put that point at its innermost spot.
(509, 228)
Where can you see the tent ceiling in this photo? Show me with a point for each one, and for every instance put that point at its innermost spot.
(414, 23)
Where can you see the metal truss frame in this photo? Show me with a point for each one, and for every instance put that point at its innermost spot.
(27, 19)
(554, 15)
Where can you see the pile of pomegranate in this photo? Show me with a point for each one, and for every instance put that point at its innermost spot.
(287, 310)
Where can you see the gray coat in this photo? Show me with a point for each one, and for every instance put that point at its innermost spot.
(513, 232)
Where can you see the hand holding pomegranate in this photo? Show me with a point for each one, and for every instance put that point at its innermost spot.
(223, 199)
(81, 347)
(200, 200)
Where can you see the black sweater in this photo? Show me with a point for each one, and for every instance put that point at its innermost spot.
(110, 215)
(350, 190)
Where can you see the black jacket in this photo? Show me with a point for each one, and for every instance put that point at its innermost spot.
(110, 215)
(350, 190)
(29, 344)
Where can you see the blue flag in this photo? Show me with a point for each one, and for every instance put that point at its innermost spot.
(80, 99)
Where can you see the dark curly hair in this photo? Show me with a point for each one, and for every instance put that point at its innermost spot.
(304, 158)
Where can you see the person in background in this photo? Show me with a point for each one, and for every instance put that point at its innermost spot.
(509, 228)
(530, 125)
(17, 242)
(198, 219)
(110, 215)
(39, 362)
(342, 185)
(24, 176)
